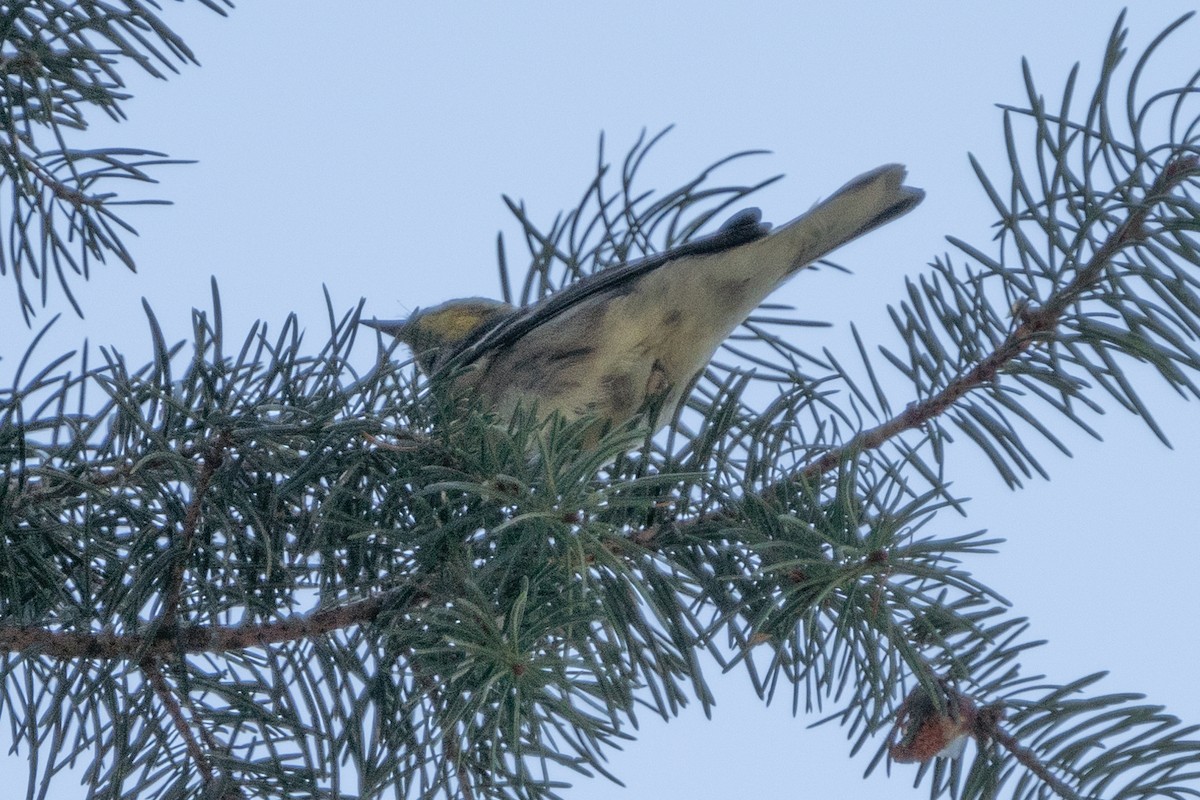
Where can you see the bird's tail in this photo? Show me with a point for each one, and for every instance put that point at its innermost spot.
(736, 280)
(865, 203)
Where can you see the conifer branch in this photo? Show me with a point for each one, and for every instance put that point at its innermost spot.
(493, 601)
(989, 729)
(166, 696)
(214, 456)
(165, 644)
(1035, 326)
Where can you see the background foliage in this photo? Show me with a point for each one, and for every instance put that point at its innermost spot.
(485, 601)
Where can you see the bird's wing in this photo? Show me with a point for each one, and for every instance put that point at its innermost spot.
(753, 263)
(743, 227)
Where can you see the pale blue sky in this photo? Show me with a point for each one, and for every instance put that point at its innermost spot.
(367, 151)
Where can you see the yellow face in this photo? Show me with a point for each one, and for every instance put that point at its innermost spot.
(427, 332)
(450, 323)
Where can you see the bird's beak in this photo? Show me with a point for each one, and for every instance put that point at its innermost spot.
(392, 327)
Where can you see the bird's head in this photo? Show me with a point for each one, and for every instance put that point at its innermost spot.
(434, 333)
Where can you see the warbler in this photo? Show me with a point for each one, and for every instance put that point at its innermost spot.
(634, 337)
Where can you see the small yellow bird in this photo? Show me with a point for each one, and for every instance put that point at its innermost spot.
(634, 337)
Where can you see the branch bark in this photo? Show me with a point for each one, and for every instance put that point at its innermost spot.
(1036, 326)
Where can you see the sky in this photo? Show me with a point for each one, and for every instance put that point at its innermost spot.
(366, 152)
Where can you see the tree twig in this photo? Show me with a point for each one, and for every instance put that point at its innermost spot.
(166, 696)
(197, 638)
(214, 456)
(1036, 326)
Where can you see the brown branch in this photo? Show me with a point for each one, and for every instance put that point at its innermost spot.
(214, 457)
(988, 727)
(76, 198)
(165, 644)
(43, 484)
(167, 697)
(50, 484)
(1035, 327)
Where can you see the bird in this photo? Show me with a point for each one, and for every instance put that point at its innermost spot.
(631, 339)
